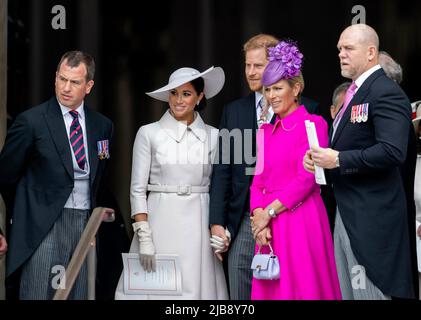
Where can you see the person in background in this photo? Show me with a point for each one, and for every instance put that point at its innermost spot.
(338, 98)
(229, 205)
(392, 69)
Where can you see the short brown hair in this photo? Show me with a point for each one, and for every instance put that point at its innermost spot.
(260, 41)
(75, 58)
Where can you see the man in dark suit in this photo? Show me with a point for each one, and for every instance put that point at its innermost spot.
(54, 158)
(368, 143)
(233, 172)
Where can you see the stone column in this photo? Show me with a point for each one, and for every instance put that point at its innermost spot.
(3, 115)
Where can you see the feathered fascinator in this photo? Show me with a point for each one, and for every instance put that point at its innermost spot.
(285, 61)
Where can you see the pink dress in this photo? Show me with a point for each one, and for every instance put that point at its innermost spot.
(301, 237)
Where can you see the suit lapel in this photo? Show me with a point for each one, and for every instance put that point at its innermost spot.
(359, 98)
(91, 142)
(248, 120)
(248, 113)
(57, 128)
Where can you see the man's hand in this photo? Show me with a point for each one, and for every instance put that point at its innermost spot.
(259, 221)
(3, 246)
(220, 240)
(419, 231)
(263, 237)
(308, 162)
(324, 157)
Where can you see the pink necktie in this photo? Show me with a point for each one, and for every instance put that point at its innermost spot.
(348, 97)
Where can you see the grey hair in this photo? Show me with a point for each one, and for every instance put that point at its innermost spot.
(392, 69)
(339, 89)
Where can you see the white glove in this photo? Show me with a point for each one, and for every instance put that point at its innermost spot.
(146, 246)
(218, 244)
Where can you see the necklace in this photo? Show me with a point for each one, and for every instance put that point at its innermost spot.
(290, 129)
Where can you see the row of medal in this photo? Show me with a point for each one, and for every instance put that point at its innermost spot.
(359, 113)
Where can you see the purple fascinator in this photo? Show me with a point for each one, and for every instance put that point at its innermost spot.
(285, 62)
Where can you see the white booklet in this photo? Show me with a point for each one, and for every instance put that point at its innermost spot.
(166, 280)
(417, 225)
(313, 141)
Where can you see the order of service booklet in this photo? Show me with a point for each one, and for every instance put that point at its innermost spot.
(166, 280)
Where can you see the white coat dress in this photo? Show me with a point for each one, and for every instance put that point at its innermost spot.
(167, 152)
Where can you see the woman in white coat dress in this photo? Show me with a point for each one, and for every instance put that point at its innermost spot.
(172, 163)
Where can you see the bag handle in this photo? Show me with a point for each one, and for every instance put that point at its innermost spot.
(270, 247)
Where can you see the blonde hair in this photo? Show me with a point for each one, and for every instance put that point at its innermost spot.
(300, 80)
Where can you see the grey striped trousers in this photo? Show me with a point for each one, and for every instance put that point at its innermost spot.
(41, 274)
(355, 285)
(240, 256)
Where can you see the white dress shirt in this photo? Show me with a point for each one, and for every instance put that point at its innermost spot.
(259, 96)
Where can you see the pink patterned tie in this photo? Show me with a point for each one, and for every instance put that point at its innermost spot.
(348, 97)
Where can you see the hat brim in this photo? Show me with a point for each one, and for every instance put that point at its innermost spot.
(214, 79)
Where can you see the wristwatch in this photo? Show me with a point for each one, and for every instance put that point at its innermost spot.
(272, 212)
(337, 161)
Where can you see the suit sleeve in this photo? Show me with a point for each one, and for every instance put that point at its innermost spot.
(391, 121)
(16, 152)
(220, 190)
(141, 167)
(294, 193)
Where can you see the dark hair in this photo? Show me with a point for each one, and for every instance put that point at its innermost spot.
(75, 58)
(198, 85)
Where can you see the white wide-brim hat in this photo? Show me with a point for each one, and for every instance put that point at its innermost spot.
(416, 111)
(214, 79)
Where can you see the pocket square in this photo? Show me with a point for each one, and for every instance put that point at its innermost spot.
(103, 149)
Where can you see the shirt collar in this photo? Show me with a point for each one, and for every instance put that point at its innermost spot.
(290, 121)
(176, 129)
(80, 109)
(360, 80)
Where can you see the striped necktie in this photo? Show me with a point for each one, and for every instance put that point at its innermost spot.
(76, 140)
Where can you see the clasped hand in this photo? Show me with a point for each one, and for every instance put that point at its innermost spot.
(220, 240)
(259, 220)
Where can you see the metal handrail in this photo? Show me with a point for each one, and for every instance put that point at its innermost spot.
(85, 244)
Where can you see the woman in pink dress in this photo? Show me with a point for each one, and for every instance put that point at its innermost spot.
(285, 201)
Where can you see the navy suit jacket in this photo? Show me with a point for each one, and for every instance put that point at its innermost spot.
(229, 192)
(36, 162)
(368, 185)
